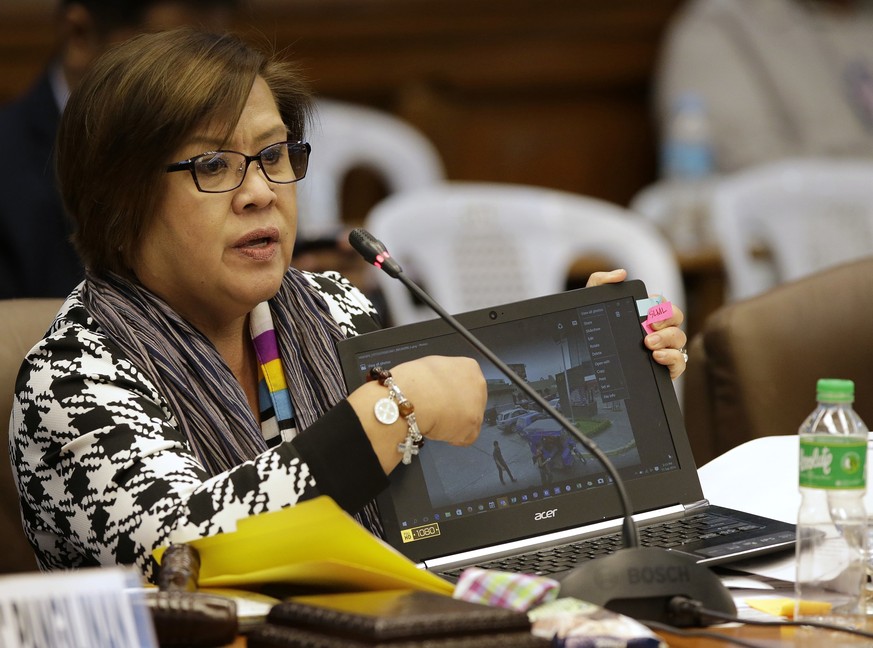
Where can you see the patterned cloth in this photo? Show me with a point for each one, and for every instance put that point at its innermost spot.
(211, 408)
(571, 623)
(504, 589)
(106, 475)
(277, 411)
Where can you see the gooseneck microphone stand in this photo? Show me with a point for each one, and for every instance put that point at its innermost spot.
(375, 252)
(642, 582)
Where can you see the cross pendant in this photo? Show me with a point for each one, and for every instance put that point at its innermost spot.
(408, 449)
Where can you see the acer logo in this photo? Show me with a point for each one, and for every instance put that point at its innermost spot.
(545, 515)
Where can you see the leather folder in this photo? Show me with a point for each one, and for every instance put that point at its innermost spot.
(391, 619)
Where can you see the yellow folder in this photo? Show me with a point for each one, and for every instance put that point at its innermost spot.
(314, 543)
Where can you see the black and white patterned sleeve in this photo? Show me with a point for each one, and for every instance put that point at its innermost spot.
(104, 474)
(348, 306)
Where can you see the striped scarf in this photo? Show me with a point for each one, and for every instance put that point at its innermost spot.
(277, 410)
(207, 400)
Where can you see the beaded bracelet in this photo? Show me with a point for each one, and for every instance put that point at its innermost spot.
(396, 404)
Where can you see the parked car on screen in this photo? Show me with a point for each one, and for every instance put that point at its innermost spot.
(506, 420)
(521, 422)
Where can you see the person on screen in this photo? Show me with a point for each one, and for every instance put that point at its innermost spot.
(192, 378)
(543, 464)
(37, 257)
(500, 462)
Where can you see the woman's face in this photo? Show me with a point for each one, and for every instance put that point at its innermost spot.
(214, 256)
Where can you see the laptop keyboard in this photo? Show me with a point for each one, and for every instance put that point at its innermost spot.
(666, 535)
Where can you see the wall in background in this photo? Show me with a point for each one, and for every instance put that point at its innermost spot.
(548, 92)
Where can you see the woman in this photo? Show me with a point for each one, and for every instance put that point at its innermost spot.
(192, 379)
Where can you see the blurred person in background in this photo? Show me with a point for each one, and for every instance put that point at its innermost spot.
(777, 78)
(37, 258)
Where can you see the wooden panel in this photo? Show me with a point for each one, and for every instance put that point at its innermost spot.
(550, 92)
(26, 42)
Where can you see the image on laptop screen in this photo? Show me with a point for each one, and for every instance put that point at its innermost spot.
(583, 352)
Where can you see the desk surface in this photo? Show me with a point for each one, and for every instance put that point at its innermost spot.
(768, 636)
(773, 638)
(722, 481)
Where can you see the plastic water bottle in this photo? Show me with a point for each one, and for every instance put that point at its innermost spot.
(687, 152)
(687, 162)
(831, 522)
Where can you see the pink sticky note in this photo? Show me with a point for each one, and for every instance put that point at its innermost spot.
(657, 313)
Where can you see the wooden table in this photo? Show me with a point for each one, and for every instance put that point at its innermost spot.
(766, 636)
(771, 637)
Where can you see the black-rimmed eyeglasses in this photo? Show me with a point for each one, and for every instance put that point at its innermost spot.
(220, 171)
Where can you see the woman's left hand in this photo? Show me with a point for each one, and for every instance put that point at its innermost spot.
(667, 342)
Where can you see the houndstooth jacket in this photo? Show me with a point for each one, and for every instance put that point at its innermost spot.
(105, 475)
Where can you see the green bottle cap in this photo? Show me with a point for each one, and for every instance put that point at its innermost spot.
(834, 390)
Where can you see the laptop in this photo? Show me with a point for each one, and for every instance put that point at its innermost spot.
(553, 505)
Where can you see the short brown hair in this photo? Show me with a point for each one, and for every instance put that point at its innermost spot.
(134, 108)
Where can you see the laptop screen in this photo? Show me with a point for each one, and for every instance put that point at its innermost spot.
(525, 475)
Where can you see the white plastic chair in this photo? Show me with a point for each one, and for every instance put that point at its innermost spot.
(473, 245)
(680, 210)
(783, 220)
(655, 202)
(346, 136)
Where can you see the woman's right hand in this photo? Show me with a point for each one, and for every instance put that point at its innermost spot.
(449, 395)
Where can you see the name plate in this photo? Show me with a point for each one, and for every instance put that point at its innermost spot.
(88, 607)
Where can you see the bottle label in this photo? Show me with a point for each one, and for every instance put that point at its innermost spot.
(687, 160)
(833, 463)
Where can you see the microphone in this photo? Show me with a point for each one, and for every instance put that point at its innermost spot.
(641, 582)
(374, 251)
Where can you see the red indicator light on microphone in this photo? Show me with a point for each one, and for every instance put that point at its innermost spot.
(380, 259)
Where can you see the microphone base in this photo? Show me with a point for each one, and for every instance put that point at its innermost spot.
(640, 583)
